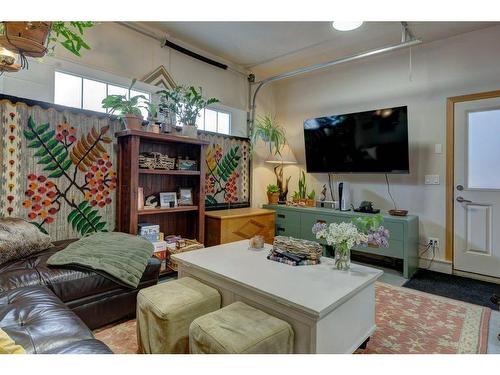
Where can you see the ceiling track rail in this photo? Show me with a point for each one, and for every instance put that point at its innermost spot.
(406, 43)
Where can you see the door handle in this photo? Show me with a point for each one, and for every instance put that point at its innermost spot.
(462, 200)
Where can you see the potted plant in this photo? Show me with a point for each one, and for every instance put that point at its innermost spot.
(185, 102)
(310, 199)
(36, 38)
(301, 197)
(127, 110)
(270, 132)
(273, 194)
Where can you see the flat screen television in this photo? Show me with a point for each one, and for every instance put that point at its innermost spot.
(363, 142)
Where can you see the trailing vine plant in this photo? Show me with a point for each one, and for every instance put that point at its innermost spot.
(64, 156)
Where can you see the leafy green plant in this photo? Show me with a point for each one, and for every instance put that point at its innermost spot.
(311, 195)
(302, 186)
(269, 131)
(69, 35)
(185, 101)
(122, 106)
(273, 188)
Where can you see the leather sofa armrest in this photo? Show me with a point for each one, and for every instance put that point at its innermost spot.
(152, 271)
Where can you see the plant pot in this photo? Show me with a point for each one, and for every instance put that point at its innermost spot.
(133, 122)
(310, 202)
(29, 37)
(273, 198)
(190, 131)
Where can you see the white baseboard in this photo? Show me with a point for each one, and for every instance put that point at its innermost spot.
(438, 265)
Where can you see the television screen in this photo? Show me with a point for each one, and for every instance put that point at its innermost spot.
(364, 142)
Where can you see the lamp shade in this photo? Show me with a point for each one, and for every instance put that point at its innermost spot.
(285, 156)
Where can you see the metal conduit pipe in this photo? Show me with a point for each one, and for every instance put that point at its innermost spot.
(328, 64)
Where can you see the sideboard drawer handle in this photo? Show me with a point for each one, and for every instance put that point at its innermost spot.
(281, 216)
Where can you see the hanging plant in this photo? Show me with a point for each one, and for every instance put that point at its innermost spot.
(35, 39)
(267, 129)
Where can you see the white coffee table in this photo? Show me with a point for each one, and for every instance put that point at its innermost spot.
(331, 311)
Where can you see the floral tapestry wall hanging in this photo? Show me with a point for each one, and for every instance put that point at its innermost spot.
(226, 171)
(58, 169)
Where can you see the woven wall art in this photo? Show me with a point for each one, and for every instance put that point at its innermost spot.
(227, 180)
(58, 168)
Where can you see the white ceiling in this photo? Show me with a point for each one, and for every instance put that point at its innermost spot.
(268, 48)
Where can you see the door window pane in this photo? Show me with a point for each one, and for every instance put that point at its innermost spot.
(93, 94)
(483, 149)
(68, 90)
(210, 120)
(223, 123)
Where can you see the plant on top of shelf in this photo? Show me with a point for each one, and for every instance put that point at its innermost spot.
(127, 110)
(267, 129)
(186, 102)
(273, 193)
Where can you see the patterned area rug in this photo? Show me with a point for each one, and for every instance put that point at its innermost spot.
(408, 322)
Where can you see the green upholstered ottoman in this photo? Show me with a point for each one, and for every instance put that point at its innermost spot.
(165, 311)
(239, 328)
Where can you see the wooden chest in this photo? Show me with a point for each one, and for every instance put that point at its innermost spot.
(225, 226)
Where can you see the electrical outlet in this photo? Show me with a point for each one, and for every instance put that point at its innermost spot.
(433, 242)
(432, 179)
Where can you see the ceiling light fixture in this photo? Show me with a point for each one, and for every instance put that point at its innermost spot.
(346, 25)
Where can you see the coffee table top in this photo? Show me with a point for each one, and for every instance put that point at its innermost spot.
(316, 289)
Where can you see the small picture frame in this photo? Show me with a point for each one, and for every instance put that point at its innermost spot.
(168, 200)
(185, 197)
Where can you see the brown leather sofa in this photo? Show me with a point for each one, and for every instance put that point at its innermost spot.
(38, 321)
(32, 293)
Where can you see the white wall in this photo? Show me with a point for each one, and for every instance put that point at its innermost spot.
(119, 54)
(463, 64)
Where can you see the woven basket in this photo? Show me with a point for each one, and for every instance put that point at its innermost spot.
(311, 249)
(147, 161)
(190, 246)
(163, 161)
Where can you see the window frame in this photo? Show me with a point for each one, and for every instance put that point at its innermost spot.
(107, 83)
(217, 110)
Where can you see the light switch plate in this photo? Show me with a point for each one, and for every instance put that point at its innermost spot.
(438, 148)
(432, 179)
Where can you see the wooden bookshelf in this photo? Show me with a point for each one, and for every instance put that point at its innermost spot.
(187, 221)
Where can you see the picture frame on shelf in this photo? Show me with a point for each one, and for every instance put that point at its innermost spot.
(168, 199)
(185, 197)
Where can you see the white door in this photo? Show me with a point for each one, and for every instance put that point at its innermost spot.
(477, 187)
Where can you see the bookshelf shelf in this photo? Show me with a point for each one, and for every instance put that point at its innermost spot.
(173, 172)
(167, 210)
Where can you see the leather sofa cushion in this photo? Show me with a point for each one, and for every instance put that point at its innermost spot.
(38, 321)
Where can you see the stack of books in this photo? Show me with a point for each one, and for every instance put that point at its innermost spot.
(151, 232)
(295, 252)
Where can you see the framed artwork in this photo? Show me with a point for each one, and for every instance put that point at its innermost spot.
(185, 197)
(168, 199)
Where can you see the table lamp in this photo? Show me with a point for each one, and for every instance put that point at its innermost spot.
(285, 156)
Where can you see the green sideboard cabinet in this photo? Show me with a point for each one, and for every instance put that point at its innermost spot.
(403, 243)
